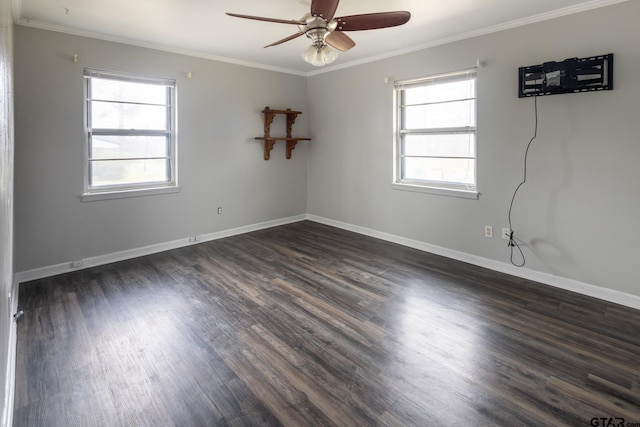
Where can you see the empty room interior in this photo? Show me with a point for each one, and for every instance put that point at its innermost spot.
(319, 212)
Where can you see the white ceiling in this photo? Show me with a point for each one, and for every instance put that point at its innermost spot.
(201, 28)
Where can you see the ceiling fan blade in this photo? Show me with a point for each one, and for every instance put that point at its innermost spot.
(340, 41)
(260, 18)
(372, 21)
(286, 39)
(324, 8)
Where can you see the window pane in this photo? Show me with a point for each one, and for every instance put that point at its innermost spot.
(440, 145)
(436, 116)
(112, 115)
(123, 172)
(117, 90)
(451, 170)
(436, 132)
(122, 147)
(438, 92)
(130, 142)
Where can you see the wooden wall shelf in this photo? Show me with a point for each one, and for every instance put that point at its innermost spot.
(270, 141)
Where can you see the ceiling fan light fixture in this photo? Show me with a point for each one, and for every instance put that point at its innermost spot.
(319, 55)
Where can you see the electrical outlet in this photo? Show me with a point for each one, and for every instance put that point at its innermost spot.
(488, 231)
(195, 238)
(77, 263)
(506, 233)
(219, 211)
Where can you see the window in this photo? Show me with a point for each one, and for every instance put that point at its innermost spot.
(436, 134)
(130, 133)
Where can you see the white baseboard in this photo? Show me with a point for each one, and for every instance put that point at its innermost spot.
(605, 294)
(65, 267)
(10, 378)
(632, 301)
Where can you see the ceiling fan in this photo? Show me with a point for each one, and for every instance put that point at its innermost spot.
(324, 29)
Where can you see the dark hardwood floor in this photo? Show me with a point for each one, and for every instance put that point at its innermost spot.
(306, 325)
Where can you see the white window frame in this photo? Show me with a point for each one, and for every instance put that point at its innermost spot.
(135, 188)
(445, 188)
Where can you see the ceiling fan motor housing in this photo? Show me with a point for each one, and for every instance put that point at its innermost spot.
(316, 28)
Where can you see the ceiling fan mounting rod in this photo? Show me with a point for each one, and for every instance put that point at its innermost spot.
(317, 36)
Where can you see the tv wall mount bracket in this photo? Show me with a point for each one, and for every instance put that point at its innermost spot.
(572, 75)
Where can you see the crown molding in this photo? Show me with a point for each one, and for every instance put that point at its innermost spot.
(570, 10)
(558, 13)
(148, 45)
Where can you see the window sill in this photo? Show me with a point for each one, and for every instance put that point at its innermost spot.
(122, 194)
(451, 192)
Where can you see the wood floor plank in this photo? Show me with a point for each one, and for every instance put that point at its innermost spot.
(612, 389)
(306, 324)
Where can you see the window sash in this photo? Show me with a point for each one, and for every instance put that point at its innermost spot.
(144, 170)
(460, 177)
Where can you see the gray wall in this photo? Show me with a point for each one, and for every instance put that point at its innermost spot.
(6, 197)
(576, 216)
(220, 164)
(578, 213)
